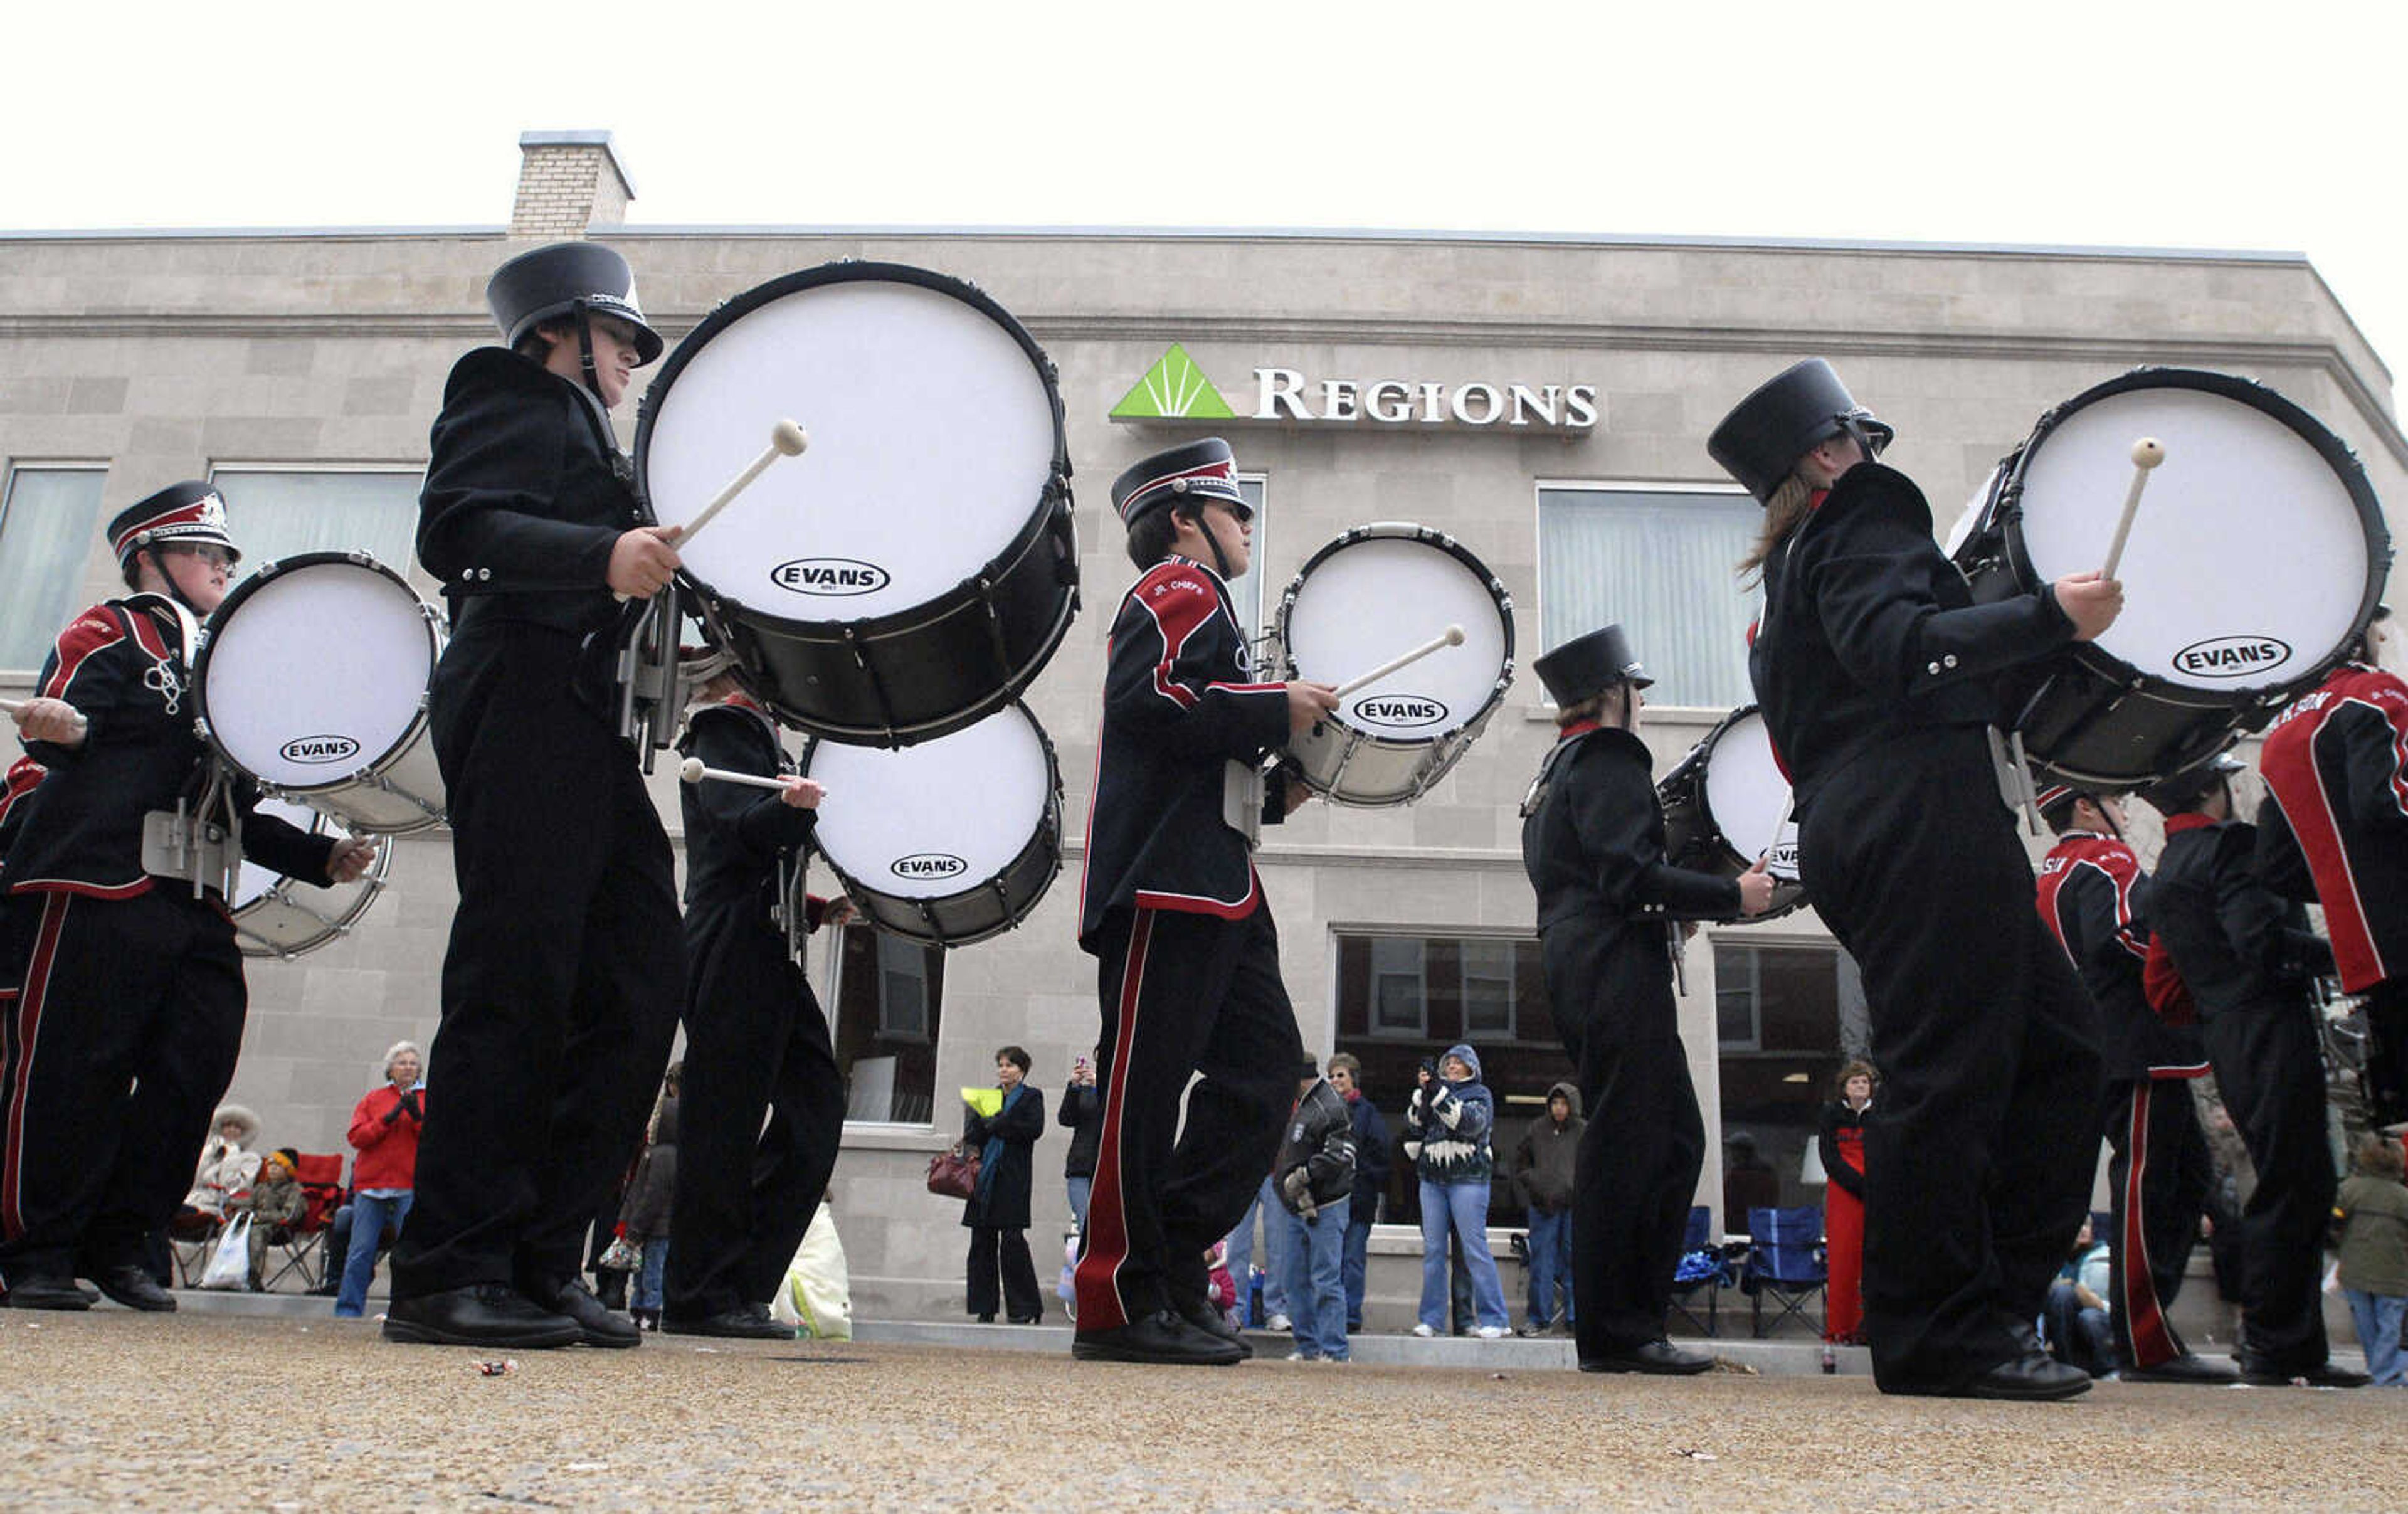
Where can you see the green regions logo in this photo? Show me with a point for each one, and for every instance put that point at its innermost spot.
(1173, 389)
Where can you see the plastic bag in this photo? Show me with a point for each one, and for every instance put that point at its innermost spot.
(817, 1295)
(230, 1257)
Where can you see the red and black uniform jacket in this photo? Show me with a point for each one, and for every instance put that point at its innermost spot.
(737, 836)
(2092, 896)
(1180, 701)
(121, 664)
(2334, 826)
(2235, 943)
(25, 776)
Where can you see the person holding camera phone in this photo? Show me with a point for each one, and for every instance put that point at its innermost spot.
(1082, 1115)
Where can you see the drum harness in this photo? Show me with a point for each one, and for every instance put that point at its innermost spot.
(200, 841)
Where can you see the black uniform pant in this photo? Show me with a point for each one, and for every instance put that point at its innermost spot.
(1182, 994)
(2158, 1172)
(122, 1019)
(1978, 1173)
(1637, 1168)
(562, 980)
(756, 1044)
(2269, 1064)
(993, 1251)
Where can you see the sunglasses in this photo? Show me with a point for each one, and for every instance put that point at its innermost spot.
(216, 557)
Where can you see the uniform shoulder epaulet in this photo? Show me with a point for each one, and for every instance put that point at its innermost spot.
(495, 367)
(1873, 491)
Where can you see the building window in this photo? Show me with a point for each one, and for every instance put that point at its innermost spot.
(1487, 990)
(47, 520)
(1786, 1016)
(885, 1008)
(1662, 560)
(280, 512)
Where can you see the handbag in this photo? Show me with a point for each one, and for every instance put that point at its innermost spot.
(230, 1257)
(619, 1256)
(954, 1172)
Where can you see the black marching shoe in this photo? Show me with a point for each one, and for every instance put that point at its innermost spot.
(2324, 1374)
(1163, 1338)
(600, 1325)
(2184, 1368)
(1658, 1358)
(2034, 1377)
(35, 1291)
(746, 1321)
(1198, 1311)
(129, 1285)
(483, 1314)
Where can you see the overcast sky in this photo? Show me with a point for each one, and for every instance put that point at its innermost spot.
(2193, 125)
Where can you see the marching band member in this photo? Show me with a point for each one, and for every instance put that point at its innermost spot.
(756, 1042)
(2092, 896)
(2334, 829)
(1187, 954)
(2246, 957)
(1593, 844)
(122, 985)
(562, 979)
(1872, 664)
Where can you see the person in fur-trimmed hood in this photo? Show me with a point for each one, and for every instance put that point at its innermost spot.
(1542, 1170)
(1449, 1117)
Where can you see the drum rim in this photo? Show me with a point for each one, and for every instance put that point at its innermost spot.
(2003, 507)
(1690, 773)
(243, 591)
(1049, 825)
(259, 948)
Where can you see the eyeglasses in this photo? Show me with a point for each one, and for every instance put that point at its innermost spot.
(216, 557)
(1239, 509)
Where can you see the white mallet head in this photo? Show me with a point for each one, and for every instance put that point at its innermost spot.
(2148, 453)
(789, 439)
(690, 770)
(1454, 636)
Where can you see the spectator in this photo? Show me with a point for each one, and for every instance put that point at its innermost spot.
(227, 1167)
(650, 1195)
(385, 1126)
(2080, 1333)
(2372, 1208)
(1543, 1174)
(1274, 1271)
(275, 1204)
(1749, 1181)
(1314, 1173)
(1370, 1181)
(1220, 1287)
(1082, 1115)
(998, 1213)
(1451, 1116)
(1841, 1142)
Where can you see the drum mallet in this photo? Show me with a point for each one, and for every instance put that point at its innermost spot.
(692, 771)
(787, 440)
(2147, 454)
(1452, 636)
(10, 707)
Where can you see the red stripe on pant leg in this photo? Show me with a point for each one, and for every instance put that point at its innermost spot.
(2144, 1319)
(1105, 1246)
(27, 1024)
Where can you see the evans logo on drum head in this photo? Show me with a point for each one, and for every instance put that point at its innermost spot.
(828, 577)
(318, 749)
(1781, 860)
(928, 865)
(1399, 710)
(2233, 656)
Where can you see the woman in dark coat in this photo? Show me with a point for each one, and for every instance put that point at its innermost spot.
(1840, 1143)
(998, 1213)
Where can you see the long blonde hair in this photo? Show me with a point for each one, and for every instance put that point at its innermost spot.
(1782, 513)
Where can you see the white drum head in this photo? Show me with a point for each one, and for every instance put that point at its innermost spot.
(931, 438)
(316, 672)
(1374, 599)
(2248, 557)
(1746, 796)
(937, 818)
(255, 880)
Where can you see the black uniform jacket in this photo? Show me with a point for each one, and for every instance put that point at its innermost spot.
(1869, 632)
(25, 776)
(736, 835)
(2092, 896)
(2334, 826)
(121, 664)
(525, 495)
(1179, 702)
(1002, 1200)
(2234, 942)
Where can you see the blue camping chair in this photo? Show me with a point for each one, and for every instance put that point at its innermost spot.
(1784, 1264)
(1703, 1266)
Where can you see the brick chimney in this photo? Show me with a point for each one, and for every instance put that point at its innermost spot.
(568, 182)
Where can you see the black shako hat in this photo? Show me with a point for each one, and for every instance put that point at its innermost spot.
(2186, 788)
(180, 514)
(1589, 665)
(562, 279)
(1203, 470)
(1761, 440)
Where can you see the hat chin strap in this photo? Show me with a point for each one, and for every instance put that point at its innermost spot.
(585, 351)
(175, 590)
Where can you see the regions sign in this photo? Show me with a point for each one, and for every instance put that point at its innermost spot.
(1176, 389)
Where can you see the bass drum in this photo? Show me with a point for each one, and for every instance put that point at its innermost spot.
(913, 570)
(283, 916)
(1726, 804)
(1373, 594)
(948, 841)
(312, 682)
(2257, 556)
